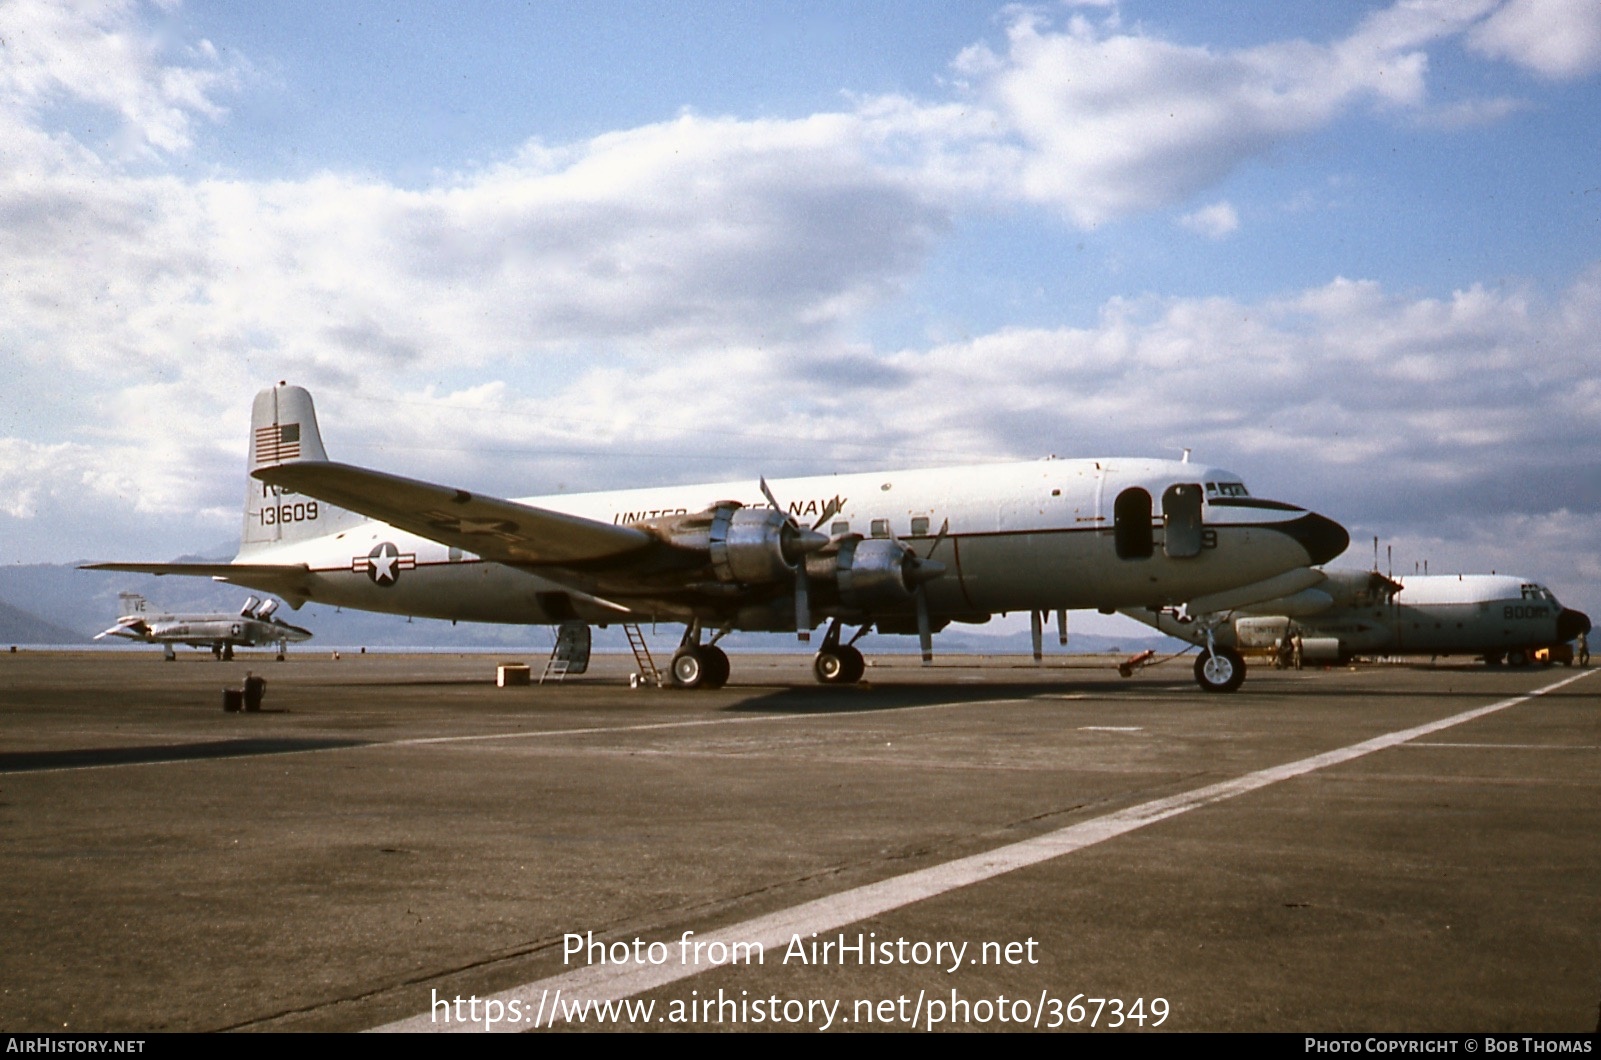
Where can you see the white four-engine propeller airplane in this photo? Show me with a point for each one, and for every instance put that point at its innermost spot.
(255, 625)
(897, 551)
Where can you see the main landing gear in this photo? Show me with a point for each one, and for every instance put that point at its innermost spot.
(697, 665)
(836, 663)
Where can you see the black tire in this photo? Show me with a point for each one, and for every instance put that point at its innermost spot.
(1517, 657)
(1220, 671)
(829, 666)
(689, 668)
(855, 667)
(715, 662)
(842, 665)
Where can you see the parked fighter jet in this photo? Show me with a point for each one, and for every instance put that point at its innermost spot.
(1497, 617)
(254, 626)
(896, 551)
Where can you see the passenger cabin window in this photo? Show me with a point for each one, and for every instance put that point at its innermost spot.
(839, 527)
(1181, 516)
(1131, 523)
(919, 526)
(880, 527)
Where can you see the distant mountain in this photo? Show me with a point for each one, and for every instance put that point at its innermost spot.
(77, 604)
(21, 627)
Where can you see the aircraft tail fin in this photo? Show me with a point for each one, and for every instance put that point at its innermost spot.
(283, 430)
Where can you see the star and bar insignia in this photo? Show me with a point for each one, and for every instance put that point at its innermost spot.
(384, 563)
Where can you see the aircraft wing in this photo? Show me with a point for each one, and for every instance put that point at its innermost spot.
(499, 530)
(292, 581)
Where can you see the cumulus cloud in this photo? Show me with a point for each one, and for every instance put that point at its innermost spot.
(1106, 122)
(99, 54)
(1556, 39)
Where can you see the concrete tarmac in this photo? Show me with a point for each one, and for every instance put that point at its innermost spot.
(393, 831)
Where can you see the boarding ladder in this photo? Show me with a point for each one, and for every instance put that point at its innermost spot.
(647, 665)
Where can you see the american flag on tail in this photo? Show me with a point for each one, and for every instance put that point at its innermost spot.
(276, 442)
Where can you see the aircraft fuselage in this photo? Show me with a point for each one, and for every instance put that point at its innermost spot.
(1013, 537)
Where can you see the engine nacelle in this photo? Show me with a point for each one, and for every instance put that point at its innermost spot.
(746, 546)
(874, 572)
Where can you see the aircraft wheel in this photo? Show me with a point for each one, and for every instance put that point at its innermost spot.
(833, 666)
(1220, 671)
(715, 662)
(841, 665)
(689, 668)
(855, 665)
(1517, 658)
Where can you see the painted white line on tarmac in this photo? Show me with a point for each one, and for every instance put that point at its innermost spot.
(531, 734)
(594, 984)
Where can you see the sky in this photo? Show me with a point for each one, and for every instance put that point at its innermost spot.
(1350, 251)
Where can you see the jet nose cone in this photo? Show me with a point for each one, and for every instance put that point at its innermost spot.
(1571, 623)
(1323, 538)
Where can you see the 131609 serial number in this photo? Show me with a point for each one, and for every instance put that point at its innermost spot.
(299, 512)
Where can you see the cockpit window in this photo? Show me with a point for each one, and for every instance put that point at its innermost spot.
(1226, 489)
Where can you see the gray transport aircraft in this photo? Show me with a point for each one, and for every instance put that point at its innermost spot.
(1496, 617)
(254, 626)
(902, 552)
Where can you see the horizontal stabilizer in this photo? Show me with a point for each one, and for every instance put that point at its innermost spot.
(499, 530)
(292, 581)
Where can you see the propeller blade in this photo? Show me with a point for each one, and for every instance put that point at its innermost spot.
(925, 638)
(768, 493)
(803, 605)
(1036, 632)
(800, 546)
(1061, 626)
(830, 510)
